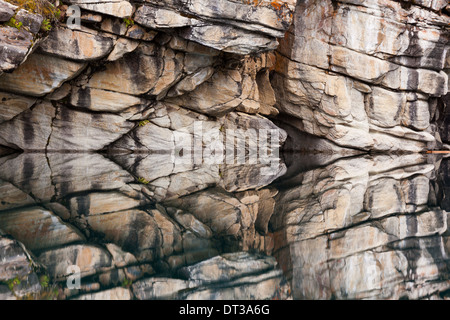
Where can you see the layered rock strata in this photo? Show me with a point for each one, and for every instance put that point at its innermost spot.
(366, 75)
(93, 86)
(150, 84)
(356, 228)
(19, 36)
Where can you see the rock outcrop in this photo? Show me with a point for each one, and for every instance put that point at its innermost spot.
(369, 75)
(93, 86)
(87, 211)
(19, 30)
(366, 75)
(18, 271)
(140, 143)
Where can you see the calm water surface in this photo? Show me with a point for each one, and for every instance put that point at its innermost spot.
(138, 226)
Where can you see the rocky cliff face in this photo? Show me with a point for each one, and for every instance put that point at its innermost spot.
(155, 240)
(367, 75)
(141, 82)
(169, 64)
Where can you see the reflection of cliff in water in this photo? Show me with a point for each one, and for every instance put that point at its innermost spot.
(365, 227)
(140, 227)
(443, 193)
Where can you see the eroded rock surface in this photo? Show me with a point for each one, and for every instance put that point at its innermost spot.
(162, 207)
(18, 35)
(365, 74)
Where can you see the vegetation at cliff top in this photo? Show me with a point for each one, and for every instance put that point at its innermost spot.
(47, 9)
(14, 23)
(128, 22)
(13, 282)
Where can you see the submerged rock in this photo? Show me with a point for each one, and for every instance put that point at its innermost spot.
(38, 228)
(355, 228)
(239, 276)
(89, 197)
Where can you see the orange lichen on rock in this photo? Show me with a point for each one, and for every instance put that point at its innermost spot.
(277, 4)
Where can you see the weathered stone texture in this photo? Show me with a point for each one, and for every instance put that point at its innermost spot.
(352, 70)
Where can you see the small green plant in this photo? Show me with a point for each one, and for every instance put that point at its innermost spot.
(57, 13)
(12, 283)
(14, 23)
(45, 8)
(46, 25)
(44, 280)
(126, 283)
(143, 123)
(143, 181)
(128, 22)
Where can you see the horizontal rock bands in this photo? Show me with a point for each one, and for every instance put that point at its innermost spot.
(334, 72)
